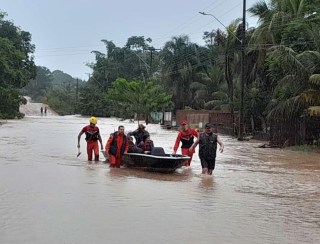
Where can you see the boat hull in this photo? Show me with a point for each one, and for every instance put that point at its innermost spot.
(165, 164)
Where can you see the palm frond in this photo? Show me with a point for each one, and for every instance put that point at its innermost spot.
(294, 106)
(315, 79)
(287, 109)
(289, 59)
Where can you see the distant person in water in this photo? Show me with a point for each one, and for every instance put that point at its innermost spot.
(186, 137)
(208, 141)
(139, 133)
(92, 137)
(45, 110)
(116, 146)
(41, 110)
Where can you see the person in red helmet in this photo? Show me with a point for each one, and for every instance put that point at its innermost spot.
(92, 137)
(186, 137)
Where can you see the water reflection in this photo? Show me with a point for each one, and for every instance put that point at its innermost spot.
(207, 183)
(127, 173)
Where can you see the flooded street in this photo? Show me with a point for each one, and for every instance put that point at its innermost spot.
(48, 195)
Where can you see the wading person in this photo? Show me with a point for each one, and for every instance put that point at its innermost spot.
(139, 133)
(116, 146)
(208, 141)
(186, 137)
(92, 137)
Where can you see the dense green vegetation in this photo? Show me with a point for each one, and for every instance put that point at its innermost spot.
(16, 66)
(282, 70)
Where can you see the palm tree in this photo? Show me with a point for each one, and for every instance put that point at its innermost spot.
(299, 87)
(179, 60)
(286, 44)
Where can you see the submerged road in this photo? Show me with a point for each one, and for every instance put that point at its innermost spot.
(47, 195)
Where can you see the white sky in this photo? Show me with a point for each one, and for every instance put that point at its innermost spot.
(66, 31)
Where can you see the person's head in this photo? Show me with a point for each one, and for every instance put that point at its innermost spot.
(130, 140)
(141, 127)
(93, 121)
(121, 129)
(184, 124)
(208, 127)
(146, 138)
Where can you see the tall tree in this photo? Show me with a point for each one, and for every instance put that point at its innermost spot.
(179, 60)
(138, 97)
(16, 66)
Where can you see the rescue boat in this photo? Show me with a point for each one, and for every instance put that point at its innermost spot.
(157, 161)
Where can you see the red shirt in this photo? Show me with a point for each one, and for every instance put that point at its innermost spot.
(92, 133)
(186, 137)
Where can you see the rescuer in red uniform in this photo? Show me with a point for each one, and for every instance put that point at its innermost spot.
(186, 136)
(92, 137)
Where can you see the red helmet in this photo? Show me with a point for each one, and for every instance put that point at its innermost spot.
(184, 122)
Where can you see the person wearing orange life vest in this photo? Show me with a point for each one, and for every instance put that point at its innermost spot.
(186, 136)
(92, 137)
(116, 146)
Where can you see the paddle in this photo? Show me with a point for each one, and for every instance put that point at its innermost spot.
(78, 152)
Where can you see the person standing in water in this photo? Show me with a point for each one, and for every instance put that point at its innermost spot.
(186, 137)
(92, 137)
(116, 146)
(208, 141)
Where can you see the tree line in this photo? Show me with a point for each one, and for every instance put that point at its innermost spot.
(282, 69)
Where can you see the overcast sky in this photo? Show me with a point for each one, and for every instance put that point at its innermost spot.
(66, 31)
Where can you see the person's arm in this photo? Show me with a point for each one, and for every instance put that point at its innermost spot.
(220, 144)
(79, 137)
(126, 147)
(140, 145)
(151, 147)
(195, 144)
(100, 139)
(195, 133)
(176, 144)
(108, 144)
(132, 133)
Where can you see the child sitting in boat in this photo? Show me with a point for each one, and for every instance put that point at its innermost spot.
(132, 147)
(146, 145)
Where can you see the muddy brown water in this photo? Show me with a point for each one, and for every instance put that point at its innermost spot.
(47, 195)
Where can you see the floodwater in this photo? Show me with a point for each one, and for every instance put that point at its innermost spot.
(48, 195)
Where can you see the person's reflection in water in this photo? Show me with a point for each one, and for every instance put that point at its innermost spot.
(207, 183)
(118, 174)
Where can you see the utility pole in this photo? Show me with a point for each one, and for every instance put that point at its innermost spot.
(151, 49)
(243, 39)
(77, 90)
